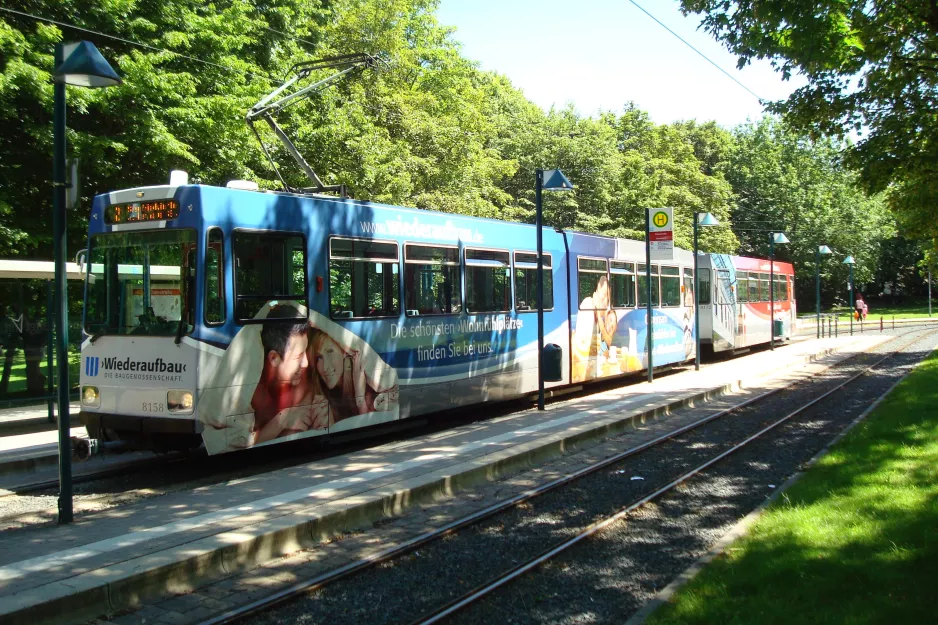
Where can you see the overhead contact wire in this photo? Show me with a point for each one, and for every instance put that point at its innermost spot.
(705, 57)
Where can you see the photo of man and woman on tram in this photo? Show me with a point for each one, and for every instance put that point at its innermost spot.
(313, 374)
(597, 352)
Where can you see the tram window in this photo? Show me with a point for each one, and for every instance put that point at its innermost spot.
(753, 288)
(268, 266)
(763, 287)
(215, 312)
(363, 278)
(431, 280)
(140, 283)
(622, 279)
(688, 287)
(704, 280)
(487, 281)
(526, 282)
(643, 285)
(670, 286)
(591, 276)
(742, 286)
(780, 295)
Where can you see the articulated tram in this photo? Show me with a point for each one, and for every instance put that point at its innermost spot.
(234, 318)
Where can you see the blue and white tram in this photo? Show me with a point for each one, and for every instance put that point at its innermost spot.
(237, 318)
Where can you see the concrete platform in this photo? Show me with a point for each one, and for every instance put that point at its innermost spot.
(111, 560)
(28, 453)
(29, 441)
(31, 419)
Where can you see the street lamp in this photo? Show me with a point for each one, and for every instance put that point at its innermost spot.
(550, 180)
(822, 249)
(775, 238)
(79, 64)
(700, 219)
(850, 263)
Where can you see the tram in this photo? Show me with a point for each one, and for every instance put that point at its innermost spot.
(234, 318)
(736, 305)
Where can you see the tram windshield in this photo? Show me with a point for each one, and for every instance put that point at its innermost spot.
(141, 283)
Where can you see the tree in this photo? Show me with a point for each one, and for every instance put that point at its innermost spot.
(871, 69)
(787, 183)
(181, 105)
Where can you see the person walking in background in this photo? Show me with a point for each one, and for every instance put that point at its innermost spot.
(861, 308)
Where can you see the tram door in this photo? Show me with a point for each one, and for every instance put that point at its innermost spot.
(724, 317)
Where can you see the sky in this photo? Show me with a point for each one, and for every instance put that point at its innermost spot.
(601, 54)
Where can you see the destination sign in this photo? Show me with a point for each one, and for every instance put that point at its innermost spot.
(132, 212)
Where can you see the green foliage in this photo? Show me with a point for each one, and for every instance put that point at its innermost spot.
(852, 542)
(871, 69)
(170, 112)
(787, 183)
(430, 130)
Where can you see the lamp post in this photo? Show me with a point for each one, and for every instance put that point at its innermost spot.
(700, 219)
(821, 249)
(550, 180)
(79, 64)
(774, 238)
(850, 263)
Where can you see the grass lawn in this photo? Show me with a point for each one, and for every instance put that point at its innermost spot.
(910, 311)
(17, 381)
(855, 541)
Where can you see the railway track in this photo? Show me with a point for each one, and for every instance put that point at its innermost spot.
(257, 610)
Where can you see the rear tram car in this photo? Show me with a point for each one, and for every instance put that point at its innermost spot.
(735, 301)
(234, 318)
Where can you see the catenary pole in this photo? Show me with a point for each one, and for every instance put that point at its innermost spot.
(817, 286)
(772, 289)
(649, 338)
(60, 295)
(696, 303)
(538, 222)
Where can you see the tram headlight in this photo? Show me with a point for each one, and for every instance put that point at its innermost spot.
(90, 396)
(179, 401)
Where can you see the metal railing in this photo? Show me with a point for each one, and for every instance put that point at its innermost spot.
(830, 324)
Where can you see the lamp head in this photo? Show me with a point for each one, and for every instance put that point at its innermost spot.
(823, 249)
(779, 237)
(849, 261)
(707, 219)
(554, 180)
(83, 66)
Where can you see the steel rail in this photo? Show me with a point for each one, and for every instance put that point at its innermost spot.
(484, 590)
(324, 579)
